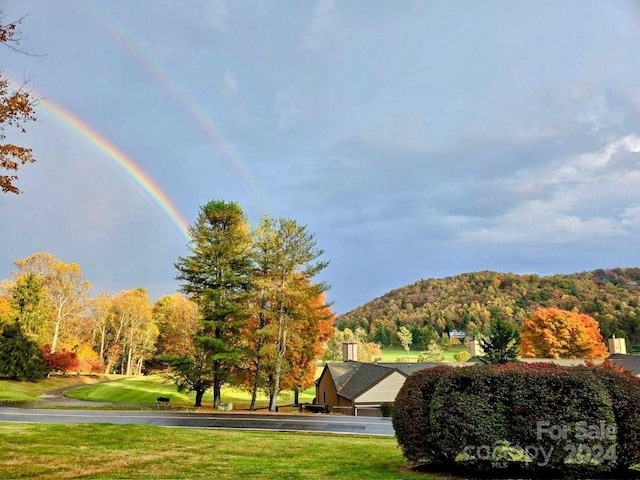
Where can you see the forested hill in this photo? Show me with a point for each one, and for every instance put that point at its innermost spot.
(467, 301)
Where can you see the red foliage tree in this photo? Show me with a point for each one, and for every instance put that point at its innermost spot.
(61, 361)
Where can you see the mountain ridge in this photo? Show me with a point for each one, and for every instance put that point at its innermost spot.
(469, 300)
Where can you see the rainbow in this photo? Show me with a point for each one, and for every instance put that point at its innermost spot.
(148, 185)
(212, 132)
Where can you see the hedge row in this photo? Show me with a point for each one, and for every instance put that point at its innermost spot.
(540, 415)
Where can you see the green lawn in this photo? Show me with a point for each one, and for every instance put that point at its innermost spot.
(148, 389)
(29, 391)
(102, 451)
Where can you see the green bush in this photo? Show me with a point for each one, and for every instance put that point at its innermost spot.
(385, 409)
(535, 416)
(625, 394)
(411, 415)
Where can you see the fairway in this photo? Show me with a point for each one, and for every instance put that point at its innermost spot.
(392, 354)
(141, 452)
(146, 390)
(29, 391)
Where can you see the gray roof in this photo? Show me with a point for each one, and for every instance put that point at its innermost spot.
(353, 378)
(629, 362)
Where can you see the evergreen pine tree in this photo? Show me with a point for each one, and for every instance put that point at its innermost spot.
(502, 344)
(20, 358)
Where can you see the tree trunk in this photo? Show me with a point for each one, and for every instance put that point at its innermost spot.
(254, 392)
(281, 348)
(56, 332)
(139, 365)
(296, 396)
(129, 360)
(103, 334)
(276, 384)
(217, 388)
(199, 395)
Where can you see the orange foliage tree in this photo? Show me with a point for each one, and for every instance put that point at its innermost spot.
(310, 328)
(554, 333)
(308, 337)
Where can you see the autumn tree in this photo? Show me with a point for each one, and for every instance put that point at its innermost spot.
(16, 109)
(101, 308)
(64, 288)
(502, 344)
(367, 351)
(404, 334)
(554, 333)
(312, 327)
(287, 252)
(29, 305)
(217, 276)
(310, 330)
(7, 314)
(140, 332)
(128, 333)
(178, 321)
(432, 353)
(62, 361)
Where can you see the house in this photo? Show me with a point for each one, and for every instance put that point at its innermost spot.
(358, 388)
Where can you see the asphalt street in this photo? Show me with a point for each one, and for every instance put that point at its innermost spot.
(273, 422)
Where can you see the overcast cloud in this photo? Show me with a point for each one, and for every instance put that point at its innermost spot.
(416, 139)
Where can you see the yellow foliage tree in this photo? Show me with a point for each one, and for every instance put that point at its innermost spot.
(64, 288)
(555, 333)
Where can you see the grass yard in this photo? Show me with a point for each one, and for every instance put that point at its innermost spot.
(148, 389)
(29, 391)
(102, 451)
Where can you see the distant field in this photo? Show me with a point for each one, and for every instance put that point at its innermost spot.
(392, 354)
(57, 451)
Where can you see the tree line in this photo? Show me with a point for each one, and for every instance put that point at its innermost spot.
(249, 314)
(48, 300)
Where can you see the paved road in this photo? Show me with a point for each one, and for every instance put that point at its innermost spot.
(272, 422)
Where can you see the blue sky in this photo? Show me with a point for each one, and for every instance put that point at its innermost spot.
(415, 139)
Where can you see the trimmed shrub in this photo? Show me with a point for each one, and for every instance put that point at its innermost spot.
(537, 416)
(411, 415)
(625, 394)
